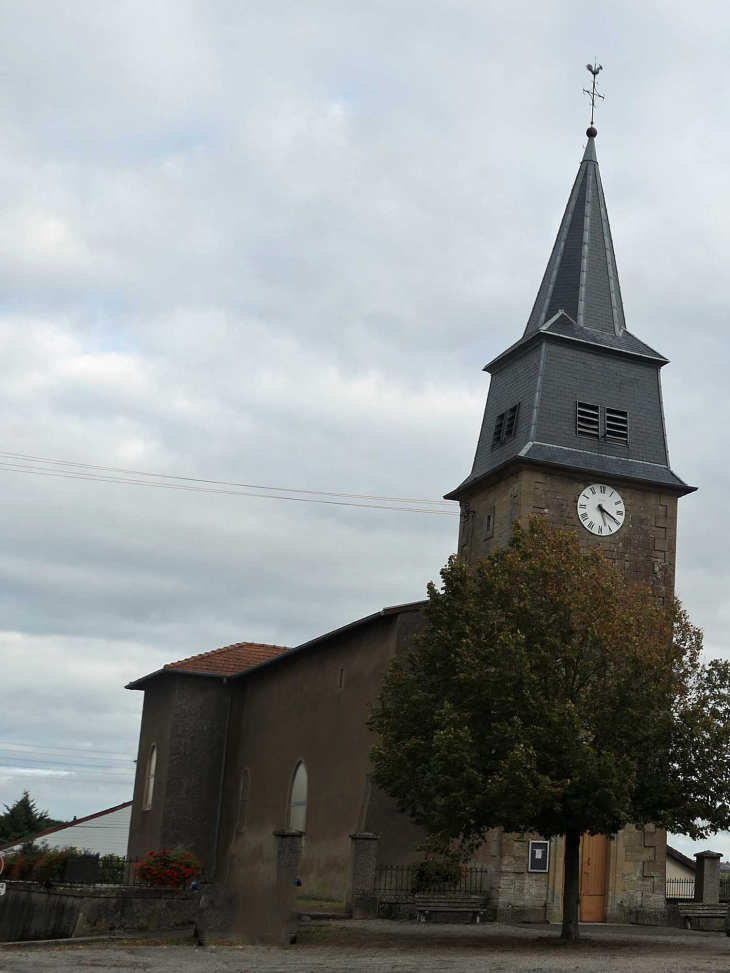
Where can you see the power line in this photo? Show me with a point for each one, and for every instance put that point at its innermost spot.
(246, 486)
(72, 780)
(62, 767)
(55, 763)
(41, 746)
(106, 760)
(92, 478)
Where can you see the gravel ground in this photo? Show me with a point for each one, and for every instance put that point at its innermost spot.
(387, 947)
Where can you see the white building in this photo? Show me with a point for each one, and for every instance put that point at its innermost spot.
(103, 833)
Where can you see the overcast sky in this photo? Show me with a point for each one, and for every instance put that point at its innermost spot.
(274, 242)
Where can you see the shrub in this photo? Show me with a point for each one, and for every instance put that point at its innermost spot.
(25, 859)
(431, 872)
(168, 868)
(8, 864)
(49, 867)
(111, 869)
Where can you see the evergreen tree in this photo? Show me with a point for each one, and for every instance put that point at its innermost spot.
(23, 819)
(548, 695)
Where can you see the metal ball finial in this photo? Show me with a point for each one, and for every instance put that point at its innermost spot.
(591, 132)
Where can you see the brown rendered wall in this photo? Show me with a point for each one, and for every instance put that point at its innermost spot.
(186, 716)
(296, 709)
(145, 827)
(399, 836)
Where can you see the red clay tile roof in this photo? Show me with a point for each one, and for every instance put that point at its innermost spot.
(230, 660)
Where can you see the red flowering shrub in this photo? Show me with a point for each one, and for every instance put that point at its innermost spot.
(168, 868)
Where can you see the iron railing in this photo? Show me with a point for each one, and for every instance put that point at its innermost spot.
(400, 880)
(96, 870)
(684, 888)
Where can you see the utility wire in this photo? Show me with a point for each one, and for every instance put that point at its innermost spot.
(73, 780)
(246, 486)
(64, 768)
(36, 753)
(41, 746)
(64, 764)
(94, 478)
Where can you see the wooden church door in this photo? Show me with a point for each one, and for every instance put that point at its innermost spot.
(593, 858)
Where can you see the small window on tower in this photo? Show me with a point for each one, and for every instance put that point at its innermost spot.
(505, 426)
(588, 420)
(617, 426)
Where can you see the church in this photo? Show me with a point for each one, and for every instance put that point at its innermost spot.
(243, 741)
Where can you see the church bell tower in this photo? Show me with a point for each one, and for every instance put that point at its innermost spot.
(574, 425)
(574, 430)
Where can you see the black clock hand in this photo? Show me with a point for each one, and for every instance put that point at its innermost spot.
(608, 514)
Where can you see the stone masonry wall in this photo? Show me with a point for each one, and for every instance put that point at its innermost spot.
(644, 549)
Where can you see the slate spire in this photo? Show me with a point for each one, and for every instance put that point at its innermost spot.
(581, 278)
(576, 355)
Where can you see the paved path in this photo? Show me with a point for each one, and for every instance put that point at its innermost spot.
(388, 947)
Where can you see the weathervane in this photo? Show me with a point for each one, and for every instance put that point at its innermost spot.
(591, 92)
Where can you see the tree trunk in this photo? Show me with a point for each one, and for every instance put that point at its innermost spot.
(571, 886)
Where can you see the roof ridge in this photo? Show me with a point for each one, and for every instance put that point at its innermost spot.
(226, 648)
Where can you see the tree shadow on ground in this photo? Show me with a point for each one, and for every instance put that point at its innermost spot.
(492, 937)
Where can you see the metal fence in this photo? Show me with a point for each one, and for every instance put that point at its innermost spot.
(95, 870)
(400, 880)
(684, 888)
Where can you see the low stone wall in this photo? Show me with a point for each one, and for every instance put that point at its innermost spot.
(28, 912)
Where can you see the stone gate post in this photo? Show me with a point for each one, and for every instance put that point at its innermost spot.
(707, 877)
(288, 857)
(361, 898)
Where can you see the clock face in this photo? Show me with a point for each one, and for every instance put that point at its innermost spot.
(601, 509)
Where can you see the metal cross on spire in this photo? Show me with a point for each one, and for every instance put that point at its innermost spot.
(591, 92)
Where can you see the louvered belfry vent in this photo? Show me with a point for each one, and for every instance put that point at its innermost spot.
(588, 420)
(617, 425)
(510, 423)
(505, 426)
(498, 430)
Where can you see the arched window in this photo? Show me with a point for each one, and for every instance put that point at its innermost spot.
(243, 800)
(149, 781)
(298, 799)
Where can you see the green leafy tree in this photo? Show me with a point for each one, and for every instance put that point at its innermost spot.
(549, 695)
(23, 819)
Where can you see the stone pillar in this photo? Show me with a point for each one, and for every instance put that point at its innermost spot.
(361, 898)
(288, 857)
(707, 877)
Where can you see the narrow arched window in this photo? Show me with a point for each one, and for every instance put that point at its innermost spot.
(149, 781)
(298, 799)
(243, 800)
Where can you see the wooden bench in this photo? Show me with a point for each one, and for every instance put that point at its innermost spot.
(471, 905)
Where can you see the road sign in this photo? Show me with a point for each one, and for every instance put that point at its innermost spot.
(3, 888)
